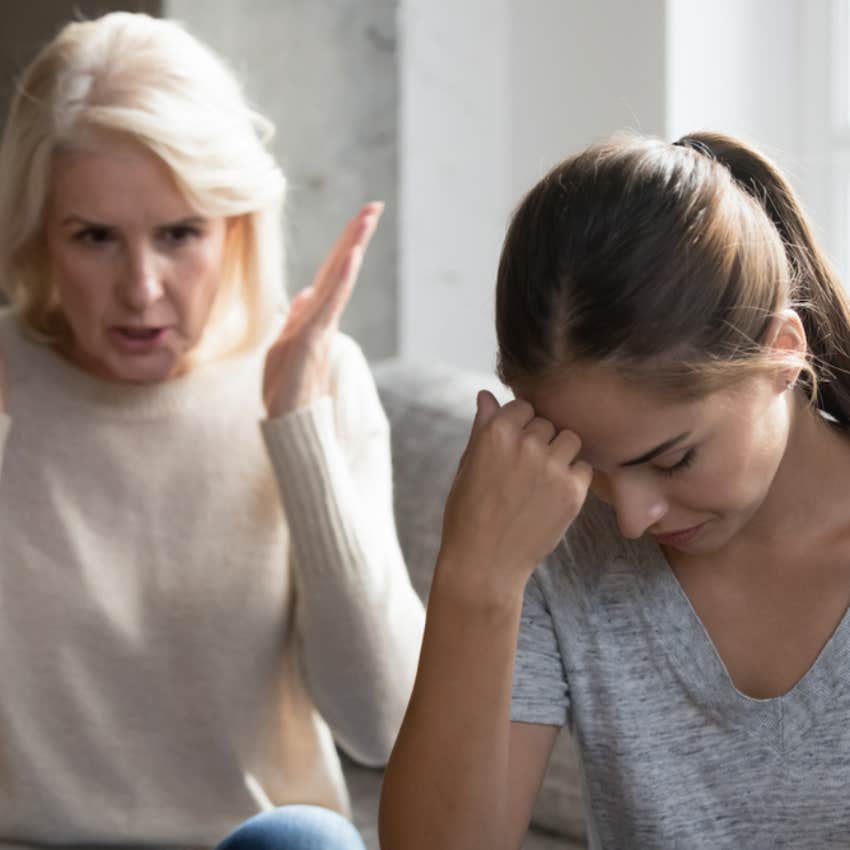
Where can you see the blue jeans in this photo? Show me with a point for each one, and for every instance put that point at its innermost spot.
(295, 828)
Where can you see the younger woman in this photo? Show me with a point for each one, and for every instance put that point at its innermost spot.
(678, 347)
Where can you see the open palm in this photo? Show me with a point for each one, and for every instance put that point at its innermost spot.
(298, 367)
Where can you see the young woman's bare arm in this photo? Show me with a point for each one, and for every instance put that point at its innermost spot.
(461, 774)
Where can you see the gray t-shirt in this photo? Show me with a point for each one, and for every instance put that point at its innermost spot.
(672, 754)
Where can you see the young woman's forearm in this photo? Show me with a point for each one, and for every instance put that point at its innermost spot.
(517, 489)
(447, 780)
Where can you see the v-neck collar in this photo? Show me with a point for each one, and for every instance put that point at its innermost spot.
(781, 721)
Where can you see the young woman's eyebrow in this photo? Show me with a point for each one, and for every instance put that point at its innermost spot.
(659, 449)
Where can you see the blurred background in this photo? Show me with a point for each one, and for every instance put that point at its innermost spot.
(450, 109)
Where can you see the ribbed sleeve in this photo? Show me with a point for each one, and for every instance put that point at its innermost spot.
(359, 619)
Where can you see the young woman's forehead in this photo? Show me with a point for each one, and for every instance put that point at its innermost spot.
(618, 419)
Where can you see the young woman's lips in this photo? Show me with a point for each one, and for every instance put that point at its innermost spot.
(681, 537)
(136, 340)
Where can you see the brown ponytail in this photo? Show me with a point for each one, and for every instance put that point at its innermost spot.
(817, 294)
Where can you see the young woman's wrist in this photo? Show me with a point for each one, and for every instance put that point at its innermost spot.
(479, 584)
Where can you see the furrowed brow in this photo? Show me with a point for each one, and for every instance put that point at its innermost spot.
(659, 449)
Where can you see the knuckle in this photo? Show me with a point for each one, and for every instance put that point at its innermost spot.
(530, 445)
(524, 407)
(572, 440)
(521, 406)
(500, 428)
(542, 425)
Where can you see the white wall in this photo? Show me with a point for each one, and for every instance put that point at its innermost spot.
(327, 75)
(762, 70)
(734, 66)
(494, 92)
(454, 159)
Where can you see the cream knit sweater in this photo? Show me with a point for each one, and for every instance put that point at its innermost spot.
(173, 650)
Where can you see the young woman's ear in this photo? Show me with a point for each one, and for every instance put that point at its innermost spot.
(786, 336)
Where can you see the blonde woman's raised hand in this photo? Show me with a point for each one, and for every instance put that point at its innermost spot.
(517, 490)
(298, 364)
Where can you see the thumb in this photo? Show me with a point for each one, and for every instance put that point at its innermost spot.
(487, 408)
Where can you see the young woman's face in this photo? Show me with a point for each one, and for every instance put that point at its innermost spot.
(136, 268)
(692, 474)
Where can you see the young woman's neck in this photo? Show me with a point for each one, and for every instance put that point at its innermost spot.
(806, 504)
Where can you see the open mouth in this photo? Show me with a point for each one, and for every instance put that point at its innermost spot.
(140, 333)
(137, 339)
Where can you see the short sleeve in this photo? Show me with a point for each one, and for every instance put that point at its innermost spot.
(540, 690)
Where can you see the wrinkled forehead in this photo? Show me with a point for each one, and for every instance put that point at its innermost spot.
(112, 178)
(616, 419)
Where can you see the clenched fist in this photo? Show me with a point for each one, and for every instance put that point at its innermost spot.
(517, 490)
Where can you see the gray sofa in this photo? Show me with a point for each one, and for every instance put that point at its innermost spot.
(430, 409)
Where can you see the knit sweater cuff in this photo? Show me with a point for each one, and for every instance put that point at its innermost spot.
(311, 475)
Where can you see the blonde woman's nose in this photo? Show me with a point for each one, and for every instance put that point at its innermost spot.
(142, 284)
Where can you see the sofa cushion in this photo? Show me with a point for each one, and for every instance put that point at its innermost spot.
(430, 409)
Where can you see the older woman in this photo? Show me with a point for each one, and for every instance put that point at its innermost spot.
(200, 582)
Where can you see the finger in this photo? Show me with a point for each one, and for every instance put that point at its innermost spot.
(565, 446)
(486, 407)
(342, 276)
(365, 225)
(542, 429)
(584, 471)
(300, 301)
(336, 298)
(294, 317)
(358, 231)
(519, 412)
(330, 263)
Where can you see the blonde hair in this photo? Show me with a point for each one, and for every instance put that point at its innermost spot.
(148, 80)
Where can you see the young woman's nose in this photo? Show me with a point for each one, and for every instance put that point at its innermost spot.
(142, 284)
(638, 507)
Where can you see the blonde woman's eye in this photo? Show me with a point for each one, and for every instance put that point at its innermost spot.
(686, 461)
(93, 235)
(180, 234)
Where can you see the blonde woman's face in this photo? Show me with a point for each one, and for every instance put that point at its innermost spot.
(136, 268)
(691, 474)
